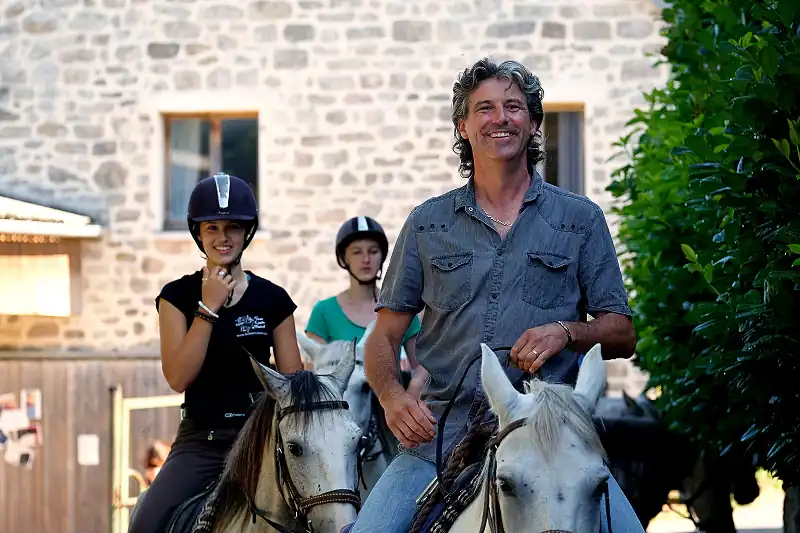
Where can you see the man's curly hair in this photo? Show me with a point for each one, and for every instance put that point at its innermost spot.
(469, 80)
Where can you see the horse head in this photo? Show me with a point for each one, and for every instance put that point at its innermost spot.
(358, 393)
(306, 442)
(550, 470)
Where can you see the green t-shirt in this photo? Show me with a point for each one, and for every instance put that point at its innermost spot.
(329, 322)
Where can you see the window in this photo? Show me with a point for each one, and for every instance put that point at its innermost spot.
(36, 284)
(563, 143)
(199, 146)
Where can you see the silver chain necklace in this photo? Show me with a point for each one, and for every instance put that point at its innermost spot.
(506, 224)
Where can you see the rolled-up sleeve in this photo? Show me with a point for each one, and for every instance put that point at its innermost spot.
(599, 273)
(402, 287)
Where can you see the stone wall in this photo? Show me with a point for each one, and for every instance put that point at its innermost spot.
(353, 99)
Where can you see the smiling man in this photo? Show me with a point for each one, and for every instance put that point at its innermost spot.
(507, 260)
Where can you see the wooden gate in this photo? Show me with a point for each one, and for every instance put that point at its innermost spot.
(121, 470)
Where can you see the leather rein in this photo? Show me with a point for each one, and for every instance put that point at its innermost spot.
(369, 440)
(490, 515)
(296, 503)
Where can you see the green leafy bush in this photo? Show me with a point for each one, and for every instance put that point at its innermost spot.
(710, 228)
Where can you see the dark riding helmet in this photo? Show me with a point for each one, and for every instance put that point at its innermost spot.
(222, 197)
(360, 228)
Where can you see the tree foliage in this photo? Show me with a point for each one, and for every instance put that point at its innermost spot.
(710, 228)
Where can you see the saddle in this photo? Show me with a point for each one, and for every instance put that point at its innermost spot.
(448, 502)
(192, 516)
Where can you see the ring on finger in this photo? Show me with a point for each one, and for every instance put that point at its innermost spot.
(535, 353)
(221, 273)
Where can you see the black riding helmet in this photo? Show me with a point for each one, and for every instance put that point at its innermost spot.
(223, 197)
(360, 228)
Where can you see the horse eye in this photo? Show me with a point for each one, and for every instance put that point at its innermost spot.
(365, 388)
(295, 449)
(506, 487)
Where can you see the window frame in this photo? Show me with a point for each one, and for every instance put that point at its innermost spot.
(215, 119)
(573, 184)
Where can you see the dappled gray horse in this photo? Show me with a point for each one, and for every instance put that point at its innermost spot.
(293, 467)
(549, 426)
(379, 446)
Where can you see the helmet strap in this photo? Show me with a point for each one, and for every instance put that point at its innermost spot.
(372, 281)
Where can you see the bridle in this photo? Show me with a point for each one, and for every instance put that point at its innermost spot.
(690, 507)
(490, 514)
(296, 503)
(368, 440)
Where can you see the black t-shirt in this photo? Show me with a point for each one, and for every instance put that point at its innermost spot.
(223, 388)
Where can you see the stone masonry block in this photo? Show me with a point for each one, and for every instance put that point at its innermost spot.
(412, 31)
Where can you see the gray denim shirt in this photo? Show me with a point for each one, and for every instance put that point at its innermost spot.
(557, 262)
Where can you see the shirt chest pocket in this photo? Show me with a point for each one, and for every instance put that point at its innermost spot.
(546, 277)
(450, 283)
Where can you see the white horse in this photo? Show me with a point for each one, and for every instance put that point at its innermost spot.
(545, 470)
(293, 467)
(377, 450)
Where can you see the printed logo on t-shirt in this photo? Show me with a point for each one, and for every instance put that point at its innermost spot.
(250, 325)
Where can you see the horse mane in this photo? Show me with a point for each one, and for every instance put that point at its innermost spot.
(239, 480)
(557, 409)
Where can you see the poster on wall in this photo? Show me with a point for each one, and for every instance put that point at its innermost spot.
(12, 420)
(20, 452)
(31, 401)
(88, 450)
(8, 400)
(19, 434)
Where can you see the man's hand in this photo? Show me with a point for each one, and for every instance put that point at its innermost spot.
(537, 345)
(408, 417)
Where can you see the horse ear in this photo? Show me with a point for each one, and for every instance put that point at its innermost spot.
(591, 379)
(345, 367)
(633, 406)
(311, 347)
(500, 392)
(274, 383)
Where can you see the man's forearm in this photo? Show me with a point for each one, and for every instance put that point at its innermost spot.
(380, 364)
(613, 331)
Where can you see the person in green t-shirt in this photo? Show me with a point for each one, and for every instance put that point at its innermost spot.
(361, 249)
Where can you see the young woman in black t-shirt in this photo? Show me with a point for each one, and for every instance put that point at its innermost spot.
(210, 321)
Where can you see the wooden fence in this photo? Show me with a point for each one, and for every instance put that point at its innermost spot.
(57, 494)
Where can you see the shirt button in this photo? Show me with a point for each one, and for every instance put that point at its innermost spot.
(494, 296)
(499, 252)
(469, 209)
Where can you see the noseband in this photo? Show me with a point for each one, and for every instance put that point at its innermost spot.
(299, 505)
(491, 514)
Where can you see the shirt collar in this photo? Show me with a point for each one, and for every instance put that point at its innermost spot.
(465, 197)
